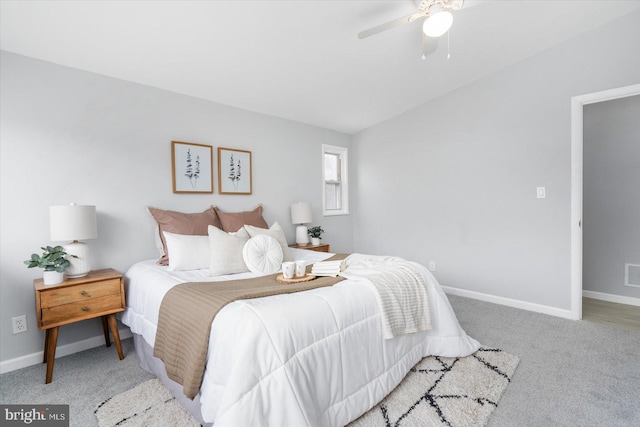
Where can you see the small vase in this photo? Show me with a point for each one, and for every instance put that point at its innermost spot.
(52, 277)
(315, 241)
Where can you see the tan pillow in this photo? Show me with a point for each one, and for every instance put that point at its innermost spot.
(233, 221)
(192, 224)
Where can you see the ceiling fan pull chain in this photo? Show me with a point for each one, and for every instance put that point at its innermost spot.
(448, 44)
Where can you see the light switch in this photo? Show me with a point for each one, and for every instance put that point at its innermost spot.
(541, 192)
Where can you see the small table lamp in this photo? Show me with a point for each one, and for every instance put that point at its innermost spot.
(74, 222)
(301, 214)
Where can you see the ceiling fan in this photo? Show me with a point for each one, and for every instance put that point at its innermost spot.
(438, 18)
(437, 21)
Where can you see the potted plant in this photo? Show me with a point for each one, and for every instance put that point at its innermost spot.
(316, 234)
(54, 261)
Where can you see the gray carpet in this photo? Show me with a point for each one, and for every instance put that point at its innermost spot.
(570, 373)
(81, 380)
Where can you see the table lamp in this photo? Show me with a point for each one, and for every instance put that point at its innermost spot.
(301, 214)
(74, 222)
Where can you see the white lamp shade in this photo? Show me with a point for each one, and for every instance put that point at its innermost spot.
(437, 24)
(301, 213)
(73, 222)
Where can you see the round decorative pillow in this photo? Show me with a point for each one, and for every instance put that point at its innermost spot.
(262, 254)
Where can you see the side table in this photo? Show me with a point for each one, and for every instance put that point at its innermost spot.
(99, 294)
(324, 247)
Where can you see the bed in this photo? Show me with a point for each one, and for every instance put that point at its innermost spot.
(313, 358)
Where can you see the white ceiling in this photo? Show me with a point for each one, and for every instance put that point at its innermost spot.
(299, 60)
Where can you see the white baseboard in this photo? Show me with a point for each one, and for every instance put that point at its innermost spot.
(61, 351)
(524, 305)
(612, 298)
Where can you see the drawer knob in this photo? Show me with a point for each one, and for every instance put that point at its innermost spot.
(85, 308)
(84, 293)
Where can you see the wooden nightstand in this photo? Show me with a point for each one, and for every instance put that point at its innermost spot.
(99, 294)
(320, 248)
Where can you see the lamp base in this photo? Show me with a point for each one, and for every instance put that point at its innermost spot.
(80, 266)
(302, 238)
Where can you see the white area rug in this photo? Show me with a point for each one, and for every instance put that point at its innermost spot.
(149, 404)
(446, 391)
(439, 391)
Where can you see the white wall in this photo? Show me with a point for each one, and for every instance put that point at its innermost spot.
(455, 180)
(72, 136)
(452, 181)
(611, 223)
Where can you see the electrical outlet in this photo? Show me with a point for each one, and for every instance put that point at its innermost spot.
(432, 266)
(19, 324)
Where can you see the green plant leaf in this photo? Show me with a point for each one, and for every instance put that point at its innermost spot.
(52, 259)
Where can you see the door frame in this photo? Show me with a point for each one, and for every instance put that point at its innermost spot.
(577, 145)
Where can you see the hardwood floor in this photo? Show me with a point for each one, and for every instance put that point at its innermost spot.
(611, 313)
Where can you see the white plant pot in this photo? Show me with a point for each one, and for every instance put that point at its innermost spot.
(315, 241)
(52, 277)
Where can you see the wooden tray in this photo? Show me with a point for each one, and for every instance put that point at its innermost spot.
(281, 279)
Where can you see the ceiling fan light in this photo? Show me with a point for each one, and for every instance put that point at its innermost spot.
(437, 24)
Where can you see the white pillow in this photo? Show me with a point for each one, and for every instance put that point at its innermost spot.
(187, 252)
(276, 232)
(262, 254)
(226, 251)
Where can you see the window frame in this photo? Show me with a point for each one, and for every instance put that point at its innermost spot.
(343, 155)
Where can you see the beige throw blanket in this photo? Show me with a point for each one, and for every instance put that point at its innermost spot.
(186, 314)
(401, 291)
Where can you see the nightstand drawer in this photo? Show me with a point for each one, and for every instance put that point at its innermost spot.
(79, 293)
(82, 309)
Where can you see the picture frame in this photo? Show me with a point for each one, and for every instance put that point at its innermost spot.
(234, 171)
(191, 167)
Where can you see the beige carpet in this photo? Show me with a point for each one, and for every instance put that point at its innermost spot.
(439, 391)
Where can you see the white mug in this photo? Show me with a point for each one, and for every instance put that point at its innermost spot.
(288, 269)
(301, 268)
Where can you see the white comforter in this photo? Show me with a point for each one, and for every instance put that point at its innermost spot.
(315, 358)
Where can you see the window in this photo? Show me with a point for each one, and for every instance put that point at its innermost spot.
(335, 192)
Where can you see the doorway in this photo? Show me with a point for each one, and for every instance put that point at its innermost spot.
(577, 143)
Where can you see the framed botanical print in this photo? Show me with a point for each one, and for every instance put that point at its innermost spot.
(192, 167)
(234, 171)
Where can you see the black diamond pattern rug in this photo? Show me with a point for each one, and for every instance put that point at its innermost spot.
(446, 391)
(439, 391)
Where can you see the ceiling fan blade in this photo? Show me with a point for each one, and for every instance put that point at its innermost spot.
(454, 4)
(466, 4)
(392, 24)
